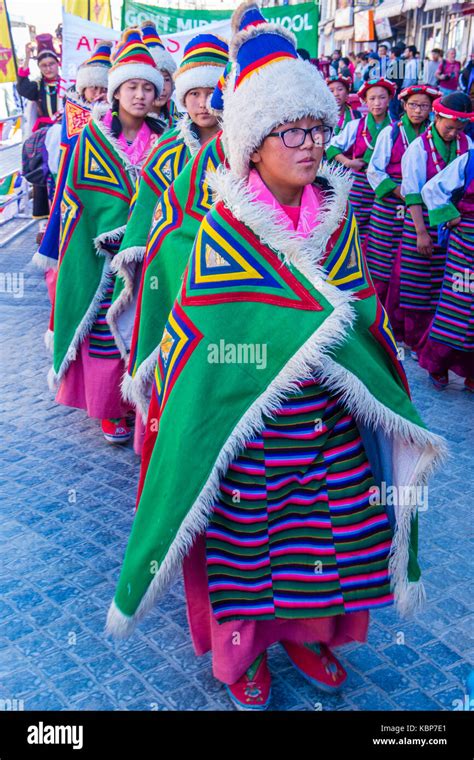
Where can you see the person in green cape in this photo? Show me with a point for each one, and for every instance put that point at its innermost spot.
(164, 106)
(204, 60)
(111, 149)
(280, 416)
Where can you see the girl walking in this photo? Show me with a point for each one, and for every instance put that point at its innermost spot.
(385, 174)
(415, 288)
(353, 147)
(273, 517)
(110, 151)
(448, 344)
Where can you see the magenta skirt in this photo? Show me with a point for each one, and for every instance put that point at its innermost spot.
(229, 659)
(94, 385)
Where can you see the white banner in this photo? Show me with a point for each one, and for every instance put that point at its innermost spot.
(80, 37)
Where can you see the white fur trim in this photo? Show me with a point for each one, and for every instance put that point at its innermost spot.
(44, 262)
(194, 77)
(120, 74)
(187, 135)
(164, 61)
(49, 340)
(313, 359)
(281, 92)
(91, 76)
(136, 389)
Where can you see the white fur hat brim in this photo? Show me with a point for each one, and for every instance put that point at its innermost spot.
(91, 76)
(281, 92)
(164, 61)
(120, 74)
(194, 77)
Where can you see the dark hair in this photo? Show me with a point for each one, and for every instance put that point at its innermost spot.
(457, 101)
(345, 60)
(346, 72)
(155, 125)
(412, 49)
(303, 53)
(438, 50)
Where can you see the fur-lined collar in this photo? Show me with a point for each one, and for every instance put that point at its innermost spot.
(303, 253)
(186, 130)
(98, 112)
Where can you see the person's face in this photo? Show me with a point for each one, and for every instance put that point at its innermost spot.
(382, 51)
(336, 55)
(136, 97)
(418, 108)
(95, 94)
(292, 168)
(167, 89)
(434, 56)
(339, 92)
(49, 68)
(449, 129)
(377, 100)
(195, 103)
(451, 54)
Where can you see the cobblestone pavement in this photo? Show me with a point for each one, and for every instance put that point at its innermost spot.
(67, 507)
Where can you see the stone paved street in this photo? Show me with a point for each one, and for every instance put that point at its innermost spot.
(66, 510)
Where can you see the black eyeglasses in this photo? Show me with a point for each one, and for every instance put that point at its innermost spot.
(294, 137)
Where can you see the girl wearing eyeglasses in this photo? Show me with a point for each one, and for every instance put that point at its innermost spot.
(385, 175)
(275, 393)
(354, 146)
(415, 289)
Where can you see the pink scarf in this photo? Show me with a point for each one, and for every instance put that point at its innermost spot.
(141, 145)
(309, 209)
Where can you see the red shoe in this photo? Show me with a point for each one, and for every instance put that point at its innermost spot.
(116, 430)
(440, 382)
(469, 384)
(253, 690)
(317, 664)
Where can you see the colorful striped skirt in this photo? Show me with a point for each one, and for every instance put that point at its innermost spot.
(101, 342)
(362, 198)
(295, 532)
(453, 322)
(383, 236)
(449, 344)
(420, 276)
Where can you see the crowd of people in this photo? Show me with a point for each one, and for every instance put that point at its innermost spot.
(235, 253)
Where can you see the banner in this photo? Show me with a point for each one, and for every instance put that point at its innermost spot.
(301, 19)
(7, 55)
(97, 11)
(80, 37)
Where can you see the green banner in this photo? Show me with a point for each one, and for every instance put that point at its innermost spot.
(301, 19)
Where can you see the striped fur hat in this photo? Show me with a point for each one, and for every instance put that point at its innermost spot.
(152, 40)
(204, 60)
(272, 85)
(132, 60)
(95, 71)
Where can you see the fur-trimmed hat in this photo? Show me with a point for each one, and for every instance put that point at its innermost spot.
(419, 89)
(216, 100)
(377, 82)
(132, 60)
(456, 105)
(95, 71)
(204, 60)
(152, 40)
(273, 85)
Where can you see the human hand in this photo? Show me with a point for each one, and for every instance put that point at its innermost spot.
(357, 164)
(453, 222)
(424, 244)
